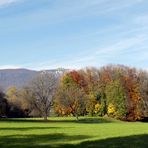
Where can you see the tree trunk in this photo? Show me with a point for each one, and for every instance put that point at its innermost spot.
(77, 117)
(45, 118)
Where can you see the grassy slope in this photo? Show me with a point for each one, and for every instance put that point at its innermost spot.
(66, 132)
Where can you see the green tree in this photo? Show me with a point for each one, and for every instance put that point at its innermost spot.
(116, 99)
(91, 103)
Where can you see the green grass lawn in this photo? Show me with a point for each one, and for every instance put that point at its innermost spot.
(67, 132)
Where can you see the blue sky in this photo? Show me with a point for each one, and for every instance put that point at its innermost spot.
(47, 34)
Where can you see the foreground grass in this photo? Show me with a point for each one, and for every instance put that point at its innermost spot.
(67, 132)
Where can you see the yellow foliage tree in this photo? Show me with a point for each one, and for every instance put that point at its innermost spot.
(97, 108)
(111, 109)
(12, 96)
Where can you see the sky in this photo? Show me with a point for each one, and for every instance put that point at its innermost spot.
(48, 34)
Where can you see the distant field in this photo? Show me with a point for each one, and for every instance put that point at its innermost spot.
(67, 132)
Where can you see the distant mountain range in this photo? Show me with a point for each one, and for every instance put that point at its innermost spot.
(20, 77)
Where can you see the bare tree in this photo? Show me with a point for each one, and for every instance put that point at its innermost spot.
(43, 88)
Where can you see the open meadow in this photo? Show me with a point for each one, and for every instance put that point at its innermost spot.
(67, 132)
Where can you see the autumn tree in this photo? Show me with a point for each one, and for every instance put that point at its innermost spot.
(14, 101)
(131, 84)
(12, 96)
(143, 82)
(71, 98)
(27, 98)
(92, 88)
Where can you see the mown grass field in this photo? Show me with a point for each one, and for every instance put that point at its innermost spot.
(67, 132)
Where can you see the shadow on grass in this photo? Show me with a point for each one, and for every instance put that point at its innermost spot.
(37, 141)
(30, 128)
(94, 120)
(58, 140)
(81, 120)
(135, 141)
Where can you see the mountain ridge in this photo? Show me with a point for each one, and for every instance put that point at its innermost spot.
(21, 76)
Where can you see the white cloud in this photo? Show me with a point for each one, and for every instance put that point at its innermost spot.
(7, 2)
(67, 10)
(124, 47)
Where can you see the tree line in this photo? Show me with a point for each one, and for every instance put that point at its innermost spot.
(116, 91)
